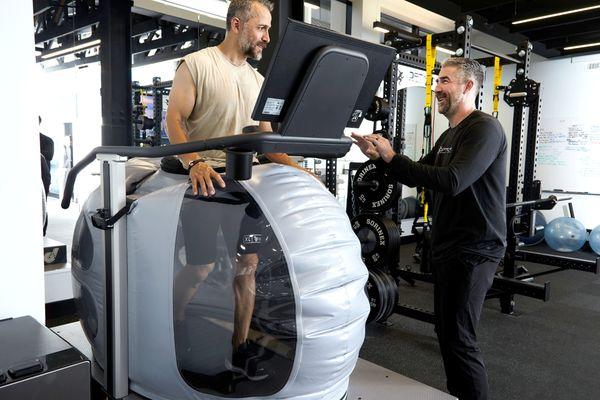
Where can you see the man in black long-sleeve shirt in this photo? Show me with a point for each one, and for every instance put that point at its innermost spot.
(467, 172)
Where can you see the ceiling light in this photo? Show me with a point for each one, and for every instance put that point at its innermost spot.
(582, 46)
(72, 49)
(523, 21)
(445, 50)
(213, 8)
(383, 27)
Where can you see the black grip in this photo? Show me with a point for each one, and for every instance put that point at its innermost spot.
(26, 368)
(126, 151)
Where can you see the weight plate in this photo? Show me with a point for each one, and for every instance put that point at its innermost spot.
(379, 238)
(373, 189)
(392, 295)
(387, 297)
(402, 209)
(377, 295)
(411, 206)
(385, 294)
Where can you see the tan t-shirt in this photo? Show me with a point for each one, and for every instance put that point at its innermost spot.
(225, 98)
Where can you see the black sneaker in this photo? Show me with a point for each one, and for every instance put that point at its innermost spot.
(245, 361)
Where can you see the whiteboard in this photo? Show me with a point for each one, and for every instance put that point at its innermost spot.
(568, 154)
(568, 148)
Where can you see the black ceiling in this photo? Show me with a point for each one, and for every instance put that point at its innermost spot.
(63, 24)
(549, 36)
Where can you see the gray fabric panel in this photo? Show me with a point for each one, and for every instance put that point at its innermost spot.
(324, 258)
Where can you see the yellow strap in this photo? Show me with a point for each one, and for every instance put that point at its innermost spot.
(429, 65)
(497, 82)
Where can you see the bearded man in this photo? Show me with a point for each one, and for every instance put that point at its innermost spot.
(213, 95)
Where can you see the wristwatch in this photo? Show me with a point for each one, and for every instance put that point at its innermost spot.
(194, 162)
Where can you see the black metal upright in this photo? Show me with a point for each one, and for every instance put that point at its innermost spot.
(158, 111)
(522, 159)
(115, 65)
(533, 88)
(463, 28)
(394, 125)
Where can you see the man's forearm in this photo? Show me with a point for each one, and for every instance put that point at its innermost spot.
(410, 173)
(177, 132)
(278, 158)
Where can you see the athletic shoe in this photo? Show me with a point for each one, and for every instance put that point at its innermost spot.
(245, 361)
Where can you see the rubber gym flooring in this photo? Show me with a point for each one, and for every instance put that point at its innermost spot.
(546, 350)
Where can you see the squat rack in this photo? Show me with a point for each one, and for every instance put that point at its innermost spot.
(523, 94)
(158, 90)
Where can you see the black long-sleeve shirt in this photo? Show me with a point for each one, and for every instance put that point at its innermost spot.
(466, 169)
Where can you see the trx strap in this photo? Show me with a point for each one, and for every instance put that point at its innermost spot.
(497, 83)
(427, 125)
(423, 246)
(429, 65)
(424, 203)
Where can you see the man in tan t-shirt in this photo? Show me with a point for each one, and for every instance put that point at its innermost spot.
(215, 89)
(213, 95)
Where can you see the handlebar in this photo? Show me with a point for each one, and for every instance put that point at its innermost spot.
(256, 142)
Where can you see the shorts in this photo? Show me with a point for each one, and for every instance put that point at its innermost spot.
(231, 211)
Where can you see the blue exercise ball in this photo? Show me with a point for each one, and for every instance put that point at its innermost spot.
(594, 240)
(565, 234)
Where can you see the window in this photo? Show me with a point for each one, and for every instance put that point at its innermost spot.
(332, 14)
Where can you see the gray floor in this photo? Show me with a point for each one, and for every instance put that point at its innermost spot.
(367, 382)
(545, 351)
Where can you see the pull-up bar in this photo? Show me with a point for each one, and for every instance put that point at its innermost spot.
(411, 38)
(496, 54)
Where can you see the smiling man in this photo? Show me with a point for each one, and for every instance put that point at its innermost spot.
(466, 170)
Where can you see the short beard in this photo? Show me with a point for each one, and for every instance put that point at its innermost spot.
(451, 105)
(251, 55)
(248, 49)
(448, 108)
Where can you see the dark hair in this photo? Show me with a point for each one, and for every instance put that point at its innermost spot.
(243, 9)
(469, 69)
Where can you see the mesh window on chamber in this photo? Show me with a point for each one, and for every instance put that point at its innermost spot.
(233, 302)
